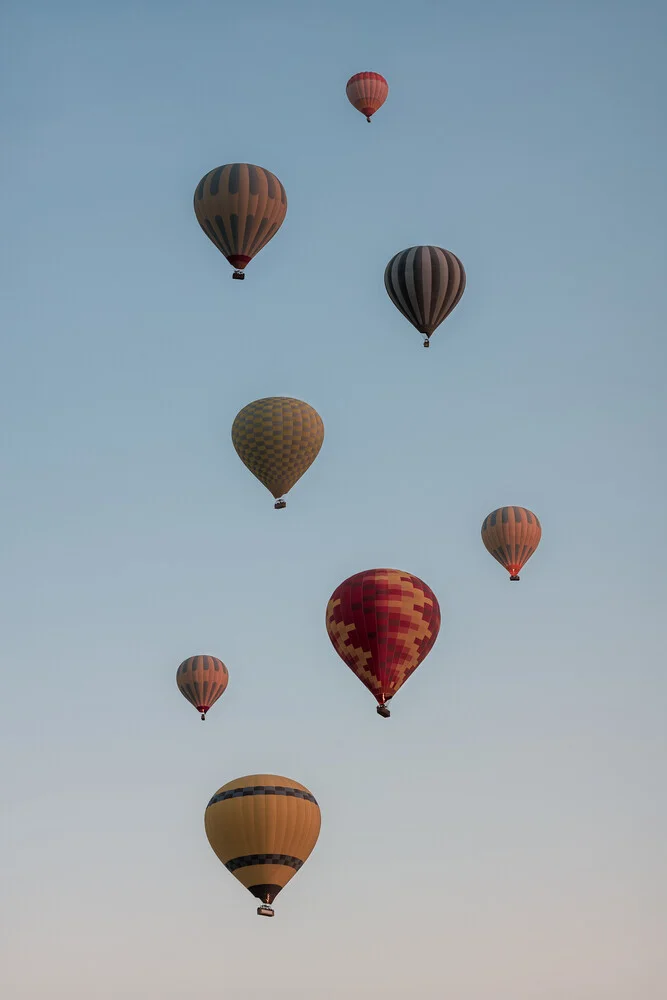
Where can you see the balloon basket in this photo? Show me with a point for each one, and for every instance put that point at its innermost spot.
(265, 911)
(238, 276)
(514, 579)
(280, 504)
(427, 343)
(383, 711)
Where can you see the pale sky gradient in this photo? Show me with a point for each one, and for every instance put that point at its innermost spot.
(503, 836)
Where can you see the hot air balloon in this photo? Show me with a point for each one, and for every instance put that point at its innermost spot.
(240, 207)
(263, 828)
(367, 92)
(383, 623)
(202, 679)
(511, 535)
(425, 284)
(278, 438)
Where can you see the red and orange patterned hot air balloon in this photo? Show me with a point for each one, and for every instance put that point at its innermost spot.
(202, 679)
(367, 92)
(383, 623)
(511, 535)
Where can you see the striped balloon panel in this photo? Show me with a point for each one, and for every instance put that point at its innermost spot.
(278, 439)
(202, 679)
(382, 624)
(367, 92)
(263, 827)
(511, 535)
(240, 207)
(425, 283)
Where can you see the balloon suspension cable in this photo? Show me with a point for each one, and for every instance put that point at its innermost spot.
(280, 504)
(514, 579)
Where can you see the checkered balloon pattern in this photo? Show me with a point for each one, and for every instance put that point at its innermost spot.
(278, 439)
(383, 623)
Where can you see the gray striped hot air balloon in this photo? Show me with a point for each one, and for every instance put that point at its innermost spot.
(425, 284)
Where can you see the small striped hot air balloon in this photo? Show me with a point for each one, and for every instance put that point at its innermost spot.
(511, 535)
(278, 439)
(383, 623)
(263, 828)
(425, 283)
(240, 207)
(202, 679)
(367, 92)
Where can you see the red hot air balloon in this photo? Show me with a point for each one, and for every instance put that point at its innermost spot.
(367, 92)
(383, 623)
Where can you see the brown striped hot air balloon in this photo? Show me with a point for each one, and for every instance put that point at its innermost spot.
(367, 92)
(425, 284)
(202, 679)
(263, 828)
(240, 207)
(511, 535)
(278, 438)
(383, 623)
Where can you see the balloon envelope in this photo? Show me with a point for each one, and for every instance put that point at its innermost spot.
(511, 535)
(425, 283)
(367, 92)
(263, 828)
(278, 439)
(383, 623)
(240, 207)
(202, 679)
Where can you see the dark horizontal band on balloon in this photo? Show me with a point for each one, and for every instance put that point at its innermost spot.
(237, 793)
(263, 859)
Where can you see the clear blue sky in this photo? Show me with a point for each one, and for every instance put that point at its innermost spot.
(503, 836)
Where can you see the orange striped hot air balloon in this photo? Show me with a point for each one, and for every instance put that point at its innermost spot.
(202, 679)
(263, 828)
(240, 207)
(278, 439)
(511, 535)
(383, 623)
(367, 92)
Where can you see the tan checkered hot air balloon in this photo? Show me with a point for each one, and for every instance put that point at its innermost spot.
(511, 535)
(278, 438)
(263, 828)
(202, 679)
(240, 207)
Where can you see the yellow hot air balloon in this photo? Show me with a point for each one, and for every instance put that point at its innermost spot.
(278, 438)
(263, 827)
